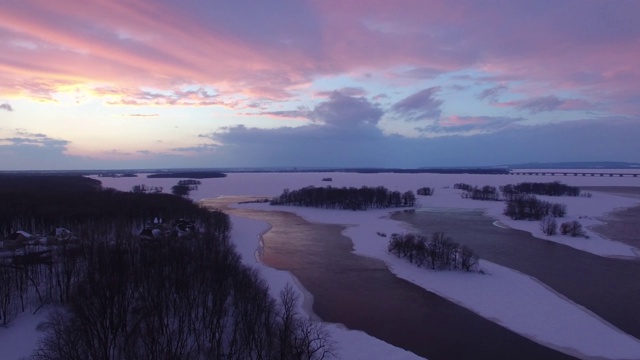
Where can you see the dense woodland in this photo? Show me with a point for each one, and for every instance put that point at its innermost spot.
(344, 198)
(119, 297)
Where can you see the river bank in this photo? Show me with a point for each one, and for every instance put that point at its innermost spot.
(620, 224)
(248, 230)
(511, 299)
(592, 339)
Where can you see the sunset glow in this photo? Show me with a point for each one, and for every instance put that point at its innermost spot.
(112, 84)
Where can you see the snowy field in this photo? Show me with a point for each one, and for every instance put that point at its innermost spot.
(507, 297)
(583, 209)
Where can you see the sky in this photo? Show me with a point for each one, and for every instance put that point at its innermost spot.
(115, 84)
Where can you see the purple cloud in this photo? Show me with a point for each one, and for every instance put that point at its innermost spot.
(321, 145)
(468, 125)
(342, 110)
(291, 114)
(348, 91)
(548, 103)
(541, 104)
(492, 94)
(201, 148)
(419, 106)
(6, 107)
(136, 97)
(24, 138)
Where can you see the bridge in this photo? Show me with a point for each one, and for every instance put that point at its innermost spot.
(573, 173)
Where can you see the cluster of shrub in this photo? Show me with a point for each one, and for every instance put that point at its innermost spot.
(555, 188)
(143, 188)
(122, 298)
(116, 175)
(184, 187)
(528, 207)
(522, 204)
(486, 192)
(350, 198)
(425, 191)
(549, 226)
(510, 191)
(440, 252)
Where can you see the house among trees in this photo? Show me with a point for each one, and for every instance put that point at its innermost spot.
(183, 228)
(62, 234)
(180, 229)
(16, 240)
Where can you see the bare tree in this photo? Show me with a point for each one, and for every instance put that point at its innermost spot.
(300, 338)
(572, 228)
(549, 225)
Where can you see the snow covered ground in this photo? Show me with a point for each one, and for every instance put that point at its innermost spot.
(583, 209)
(349, 344)
(20, 338)
(505, 296)
(512, 299)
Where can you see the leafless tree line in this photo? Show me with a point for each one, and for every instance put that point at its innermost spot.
(425, 191)
(118, 296)
(440, 252)
(187, 299)
(344, 198)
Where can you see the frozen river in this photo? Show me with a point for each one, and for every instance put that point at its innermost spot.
(362, 294)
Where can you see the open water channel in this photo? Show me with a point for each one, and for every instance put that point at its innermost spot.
(606, 286)
(363, 294)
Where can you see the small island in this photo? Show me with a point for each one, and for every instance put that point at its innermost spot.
(344, 198)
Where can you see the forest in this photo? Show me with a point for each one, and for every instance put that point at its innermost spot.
(112, 295)
(344, 198)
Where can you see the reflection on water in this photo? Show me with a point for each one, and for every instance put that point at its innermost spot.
(608, 287)
(363, 294)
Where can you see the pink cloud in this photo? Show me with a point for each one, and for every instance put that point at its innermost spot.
(137, 97)
(265, 51)
(155, 45)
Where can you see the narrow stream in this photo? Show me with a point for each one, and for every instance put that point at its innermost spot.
(363, 294)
